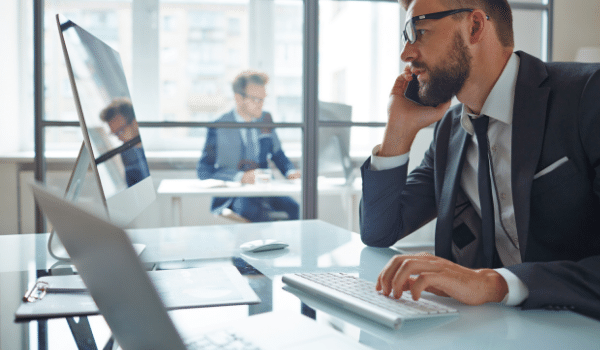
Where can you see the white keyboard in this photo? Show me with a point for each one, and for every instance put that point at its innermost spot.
(360, 296)
(225, 339)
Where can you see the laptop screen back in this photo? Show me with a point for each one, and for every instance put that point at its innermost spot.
(113, 274)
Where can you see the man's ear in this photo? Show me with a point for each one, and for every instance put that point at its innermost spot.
(478, 24)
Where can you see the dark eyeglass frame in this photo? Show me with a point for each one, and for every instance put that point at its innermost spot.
(410, 31)
(254, 99)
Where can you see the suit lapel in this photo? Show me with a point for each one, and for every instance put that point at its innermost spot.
(529, 121)
(230, 146)
(451, 181)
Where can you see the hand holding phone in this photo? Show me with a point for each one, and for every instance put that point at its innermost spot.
(412, 92)
(405, 117)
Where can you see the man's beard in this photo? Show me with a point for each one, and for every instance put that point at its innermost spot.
(445, 82)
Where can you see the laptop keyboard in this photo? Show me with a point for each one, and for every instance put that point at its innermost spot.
(360, 291)
(222, 339)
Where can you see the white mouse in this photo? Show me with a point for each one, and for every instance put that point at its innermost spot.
(262, 245)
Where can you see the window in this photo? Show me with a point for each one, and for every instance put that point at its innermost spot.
(181, 57)
(234, 26)
(169, 23)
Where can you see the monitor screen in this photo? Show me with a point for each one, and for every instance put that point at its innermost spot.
(334, 142)
(108, 122)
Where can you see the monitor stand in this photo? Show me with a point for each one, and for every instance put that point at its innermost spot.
(82, 164)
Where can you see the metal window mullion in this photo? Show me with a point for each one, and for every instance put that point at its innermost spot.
(310, 108)
(57, 123)
(350, 124)
(38, 102)
(549, 37)
(39, 147)
(547, 9)
(224, 125)
(227, 125)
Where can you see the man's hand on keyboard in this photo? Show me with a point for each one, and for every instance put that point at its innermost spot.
(425, 272)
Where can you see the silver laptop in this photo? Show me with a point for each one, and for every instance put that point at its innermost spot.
(139, 320)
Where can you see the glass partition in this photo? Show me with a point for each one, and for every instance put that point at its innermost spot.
(182, 56)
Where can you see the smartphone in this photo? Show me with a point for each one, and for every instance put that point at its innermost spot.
(412, 92)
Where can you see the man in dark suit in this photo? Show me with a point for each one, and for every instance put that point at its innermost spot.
(531, 236)
(239, 154)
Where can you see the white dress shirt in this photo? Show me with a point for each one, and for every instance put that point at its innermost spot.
(253, 143)
(499, 107)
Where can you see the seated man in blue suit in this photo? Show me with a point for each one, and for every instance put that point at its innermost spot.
(233, 154)
(512, 174)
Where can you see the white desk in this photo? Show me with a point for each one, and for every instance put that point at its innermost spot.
(315, 246)
(176, 189)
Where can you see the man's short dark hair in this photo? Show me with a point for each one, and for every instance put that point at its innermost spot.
(119, 106)
(249, 77)
(498, 10)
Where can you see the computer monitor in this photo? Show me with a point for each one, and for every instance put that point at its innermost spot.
(112, 147)
(334, 142)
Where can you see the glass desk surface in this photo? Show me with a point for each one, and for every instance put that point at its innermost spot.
(314, 246)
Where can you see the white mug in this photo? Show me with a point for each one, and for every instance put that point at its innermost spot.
(262, 176)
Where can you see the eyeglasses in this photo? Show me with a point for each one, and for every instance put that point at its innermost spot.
(410, 32)
(121, 130)
(254, 99)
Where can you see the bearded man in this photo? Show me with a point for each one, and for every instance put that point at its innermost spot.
(512, 174)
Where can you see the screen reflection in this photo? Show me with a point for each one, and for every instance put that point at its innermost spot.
(109, 121)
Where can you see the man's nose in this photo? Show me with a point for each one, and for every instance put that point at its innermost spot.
(409, 53)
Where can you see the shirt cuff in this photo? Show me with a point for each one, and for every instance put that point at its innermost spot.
(517, 290)
(385, 163)
(238, 176)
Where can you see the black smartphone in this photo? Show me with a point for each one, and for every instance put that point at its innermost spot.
(412, 92)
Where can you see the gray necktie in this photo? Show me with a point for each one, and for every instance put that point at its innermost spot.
(250, 146)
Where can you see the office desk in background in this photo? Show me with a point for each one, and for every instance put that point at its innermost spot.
(177, 189)
(315, 246)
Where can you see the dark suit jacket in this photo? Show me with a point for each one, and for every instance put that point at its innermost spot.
(222, 155)
(556, 114)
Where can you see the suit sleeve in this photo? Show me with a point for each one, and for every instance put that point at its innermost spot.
(573, 285)
(279, 158)
(562, 285)
(206, 168)
(395, 204)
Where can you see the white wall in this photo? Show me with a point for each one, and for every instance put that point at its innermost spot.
(576, 24)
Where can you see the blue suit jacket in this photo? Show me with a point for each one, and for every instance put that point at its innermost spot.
(556, 114)
(222, 155)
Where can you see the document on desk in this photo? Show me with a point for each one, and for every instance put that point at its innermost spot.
(213, 183)
(218, 285)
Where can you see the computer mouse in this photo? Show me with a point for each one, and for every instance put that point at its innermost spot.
(262, 245)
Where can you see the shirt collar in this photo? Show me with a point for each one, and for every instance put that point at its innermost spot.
(500, 102)
(238, 118)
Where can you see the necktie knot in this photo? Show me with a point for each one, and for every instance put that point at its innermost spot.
(481, 126)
